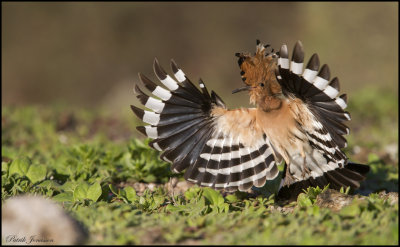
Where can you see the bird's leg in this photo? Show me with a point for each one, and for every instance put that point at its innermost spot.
(305, 168)
(288, 177)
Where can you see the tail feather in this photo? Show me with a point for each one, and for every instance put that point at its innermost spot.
(344, 180)
(348, 176)
(359, 168)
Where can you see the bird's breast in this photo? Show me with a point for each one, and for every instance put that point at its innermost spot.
(281, 129)
(240, 123)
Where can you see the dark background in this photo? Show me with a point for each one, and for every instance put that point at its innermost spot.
(89, 54)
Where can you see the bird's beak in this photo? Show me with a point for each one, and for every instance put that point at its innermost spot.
(241, 89)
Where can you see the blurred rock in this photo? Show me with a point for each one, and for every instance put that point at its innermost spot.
(392, 153)
(174, 185)
(334, 200)
(356, 149)
(282, 209)
(171, 184)
(139, 188)
(360, 154)
(33, 220)
(392, 197)
(181, 187)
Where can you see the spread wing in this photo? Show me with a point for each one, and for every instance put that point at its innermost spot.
(196, 132)
(327, 130)
(313, 87)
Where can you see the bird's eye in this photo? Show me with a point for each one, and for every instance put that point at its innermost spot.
(261, 84)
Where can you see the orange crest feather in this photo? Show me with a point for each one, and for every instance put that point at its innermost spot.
(258, 67)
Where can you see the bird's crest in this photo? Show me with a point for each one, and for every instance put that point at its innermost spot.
(257, 67)
(258, 73)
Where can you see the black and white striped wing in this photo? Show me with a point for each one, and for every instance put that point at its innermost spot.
(313, 87)
(327, 129)
(186, 132)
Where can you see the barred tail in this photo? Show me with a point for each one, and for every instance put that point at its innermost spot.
(349, 175)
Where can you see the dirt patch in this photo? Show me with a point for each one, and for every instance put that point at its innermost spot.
(173, 186)
(335, 200)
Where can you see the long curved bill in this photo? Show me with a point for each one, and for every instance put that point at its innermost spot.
(246, 88)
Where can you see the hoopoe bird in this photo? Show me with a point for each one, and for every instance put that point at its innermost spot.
(298, 121)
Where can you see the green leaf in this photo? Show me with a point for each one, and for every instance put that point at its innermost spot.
(4, 166)
(191, 193)
(122, 193)
(303, 200)
(46, 184)
(36, 173)
(345, 190)
(63, 197)
(158, 200)
(80, 192)
(50, 184)
(142, 200)
(149, 178)
(20, 166)
(314, 210)
(68, 186)
(130, 194)
(213, 197)
(372, 157)
(351, 210)
(231, 198)
(113, 189)
(172, 208)
(94, 192)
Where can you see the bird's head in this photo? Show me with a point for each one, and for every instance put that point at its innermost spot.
(258, 73)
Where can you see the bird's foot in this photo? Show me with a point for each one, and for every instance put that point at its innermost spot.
(305, 171)
(289, 179)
